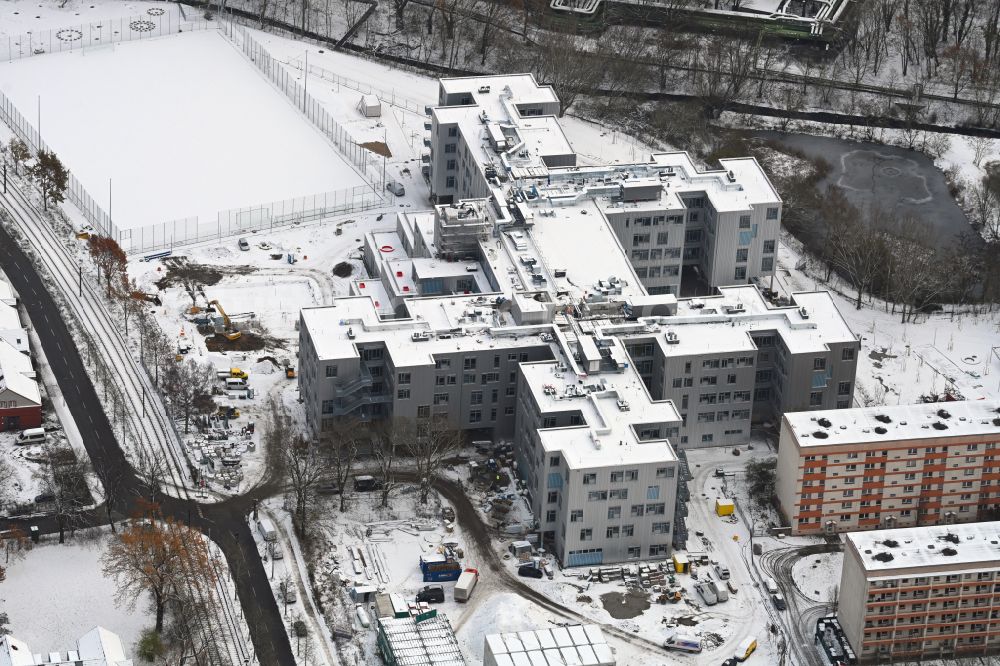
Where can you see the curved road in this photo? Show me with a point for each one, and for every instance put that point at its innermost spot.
(223, 522)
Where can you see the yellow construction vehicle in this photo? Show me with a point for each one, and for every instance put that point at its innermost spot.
(230, 333)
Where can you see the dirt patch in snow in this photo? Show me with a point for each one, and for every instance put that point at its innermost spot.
(343, 269)
(377, 147)
(246, 342)
(180, 272)
(625, 606)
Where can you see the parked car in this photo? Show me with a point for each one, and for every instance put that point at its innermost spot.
(395, 187)
(722, 571)
(779, 601)
(45, 497)
(288, 593)
(244, 244)
(770, 585)
(431, 594)
(274, 551)
(719, 471)
(529, 571)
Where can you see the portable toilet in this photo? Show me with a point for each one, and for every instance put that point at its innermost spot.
(724, 507)
(680, 562)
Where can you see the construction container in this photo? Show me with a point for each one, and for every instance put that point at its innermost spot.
(725, 507)
(680, 563)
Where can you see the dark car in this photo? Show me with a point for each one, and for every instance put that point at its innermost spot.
(431, 594)
(45, 497)
(779, 602)
(529, 571)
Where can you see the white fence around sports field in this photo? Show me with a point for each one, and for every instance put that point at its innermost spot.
(262, 217)
(390, 97)
(75, 192)
(372, 166)
(156, 22)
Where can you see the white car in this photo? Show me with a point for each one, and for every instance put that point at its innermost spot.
(244, 244)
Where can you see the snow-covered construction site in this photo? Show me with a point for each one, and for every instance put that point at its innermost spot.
(418, 368)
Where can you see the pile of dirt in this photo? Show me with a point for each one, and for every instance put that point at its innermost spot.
(377, 147)
(625, 606)
(246, 342)
(343, 269)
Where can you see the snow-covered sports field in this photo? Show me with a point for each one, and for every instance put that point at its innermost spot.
(181, 126)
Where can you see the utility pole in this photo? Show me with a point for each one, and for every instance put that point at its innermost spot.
(305, 83)
(79, 265)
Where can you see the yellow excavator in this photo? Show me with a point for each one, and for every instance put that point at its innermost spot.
(230, 333)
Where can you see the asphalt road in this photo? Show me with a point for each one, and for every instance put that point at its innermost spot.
(224, 522)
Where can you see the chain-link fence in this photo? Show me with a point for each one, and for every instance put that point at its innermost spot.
(75, 192)
(390, 97)
(260, 217)
(371, 166)
(156, 22)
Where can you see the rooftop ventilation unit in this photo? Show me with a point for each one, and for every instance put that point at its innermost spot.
(420, 336)
(825, 422)
(623, 406)
(672, 338)
(883, 418)
(736, 308)
(731, 176)
(484, 89)
(937, 425)
(944, 413)
(804, 312)
(819, 434)
(350, 334)
(880, 430)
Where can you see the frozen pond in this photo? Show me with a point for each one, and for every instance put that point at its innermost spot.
(898, 179)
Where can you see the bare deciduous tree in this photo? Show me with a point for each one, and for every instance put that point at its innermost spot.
(435, 442)
(187, 387)
(340, 446)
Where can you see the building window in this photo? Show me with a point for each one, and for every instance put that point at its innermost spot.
(657, 550)
(816, 399)
(586, 534)
(742, 254)
(331, 371)
(452, 131)
(662, 238)
(403, 394)
(440, 398)
(327, 406)
(614, 512)
(767, 264)
(550, 516)
(843, 388)
(634, 552)
(589, 479)
(475, 416)
(450, 147)
(637, 510)
(744, 221)
(652, 492)
(768, 247)
(576, 516)
(449, 181)
(403, 378)
(611, 533)
(819, 363)
(664, 472)
(597, 495)
(741, 273)
(640, 239)
(661, 528)
(550, 422)
(772, 213)
(476, 398)
(619, 494)
(847, 354)
(705, 439)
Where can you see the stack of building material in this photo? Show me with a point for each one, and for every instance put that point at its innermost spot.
(417, 641)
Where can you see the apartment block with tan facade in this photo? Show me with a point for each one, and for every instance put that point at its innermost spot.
(887, 467)
(921, 592)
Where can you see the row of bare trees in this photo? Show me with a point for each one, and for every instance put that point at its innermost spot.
(391, 450)
(898, 259)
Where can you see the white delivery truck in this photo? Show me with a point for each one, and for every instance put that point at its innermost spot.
(683, 641)
(721, 593)
(465, 584)
(266, 529)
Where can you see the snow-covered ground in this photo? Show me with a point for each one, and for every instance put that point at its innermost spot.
(56, 593)
(19, 17)
(899, 362)
(173, 127)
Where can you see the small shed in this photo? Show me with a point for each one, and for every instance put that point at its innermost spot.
(363, 593)
(724, 507)
(680, 563)
(370, 106)
(521, 550)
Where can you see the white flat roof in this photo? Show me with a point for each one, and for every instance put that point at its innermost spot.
(905, 422)
(607, 436)
(955, 546)
(581, 644)
(452, 324)
(716, 324)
